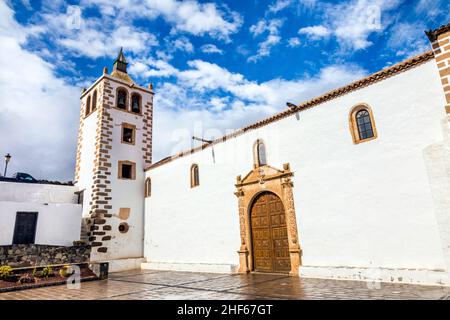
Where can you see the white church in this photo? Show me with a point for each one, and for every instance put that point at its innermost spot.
(353, 184)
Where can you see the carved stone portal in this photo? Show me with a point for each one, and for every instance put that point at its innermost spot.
(266, 179)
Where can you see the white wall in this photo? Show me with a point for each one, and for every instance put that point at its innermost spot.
(59, 217)
(366, 205)
(127, 193)
(87, 157)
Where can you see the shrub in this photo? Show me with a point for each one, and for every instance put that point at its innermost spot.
(5, 271)
(27, 278)
(66, 271)
(47, 272)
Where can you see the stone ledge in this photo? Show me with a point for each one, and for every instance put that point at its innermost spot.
(21, 255)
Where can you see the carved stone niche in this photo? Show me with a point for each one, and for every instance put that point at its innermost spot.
(262, 179)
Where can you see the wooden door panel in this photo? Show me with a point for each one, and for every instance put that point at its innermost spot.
(269, 235)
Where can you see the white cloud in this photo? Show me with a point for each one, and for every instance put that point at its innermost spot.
(183, 44)
(434, 9)
(408, 40)
(265, 47)
(92, 38)
(294, 42)
(211, 48)
(279, 5)
(315, 32)
(27, 4)
(204, 77)
(184, 16)
(39, 117)
(243, 50)
(219, 103)
(197, 18)
(150, 67)
(164, 55)
(352, 22)
(272, 27)
(102, 36)
(309, 4)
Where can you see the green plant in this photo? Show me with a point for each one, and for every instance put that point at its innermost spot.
(27, 278)
(47, 272)
(66, 271)
(5, 271)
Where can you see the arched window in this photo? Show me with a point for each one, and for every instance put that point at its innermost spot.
(148, 187)
(94, 100)
(362, 124)
(136, 103)
(365, 129)
(88, 106)
(260, 153)
(121, 99)
(195, 180)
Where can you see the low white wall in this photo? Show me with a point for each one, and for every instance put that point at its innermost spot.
(57, 224)
(37, 192)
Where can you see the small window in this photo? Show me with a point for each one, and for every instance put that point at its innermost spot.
(121, 99)
(127, 170)
(94, 100)
(260, 153)
(148, 187)
(195, 179)
(362, 125)
(88, 106)
(128, 133)
(136, 103)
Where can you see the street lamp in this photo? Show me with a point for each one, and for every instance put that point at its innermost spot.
(7, 158)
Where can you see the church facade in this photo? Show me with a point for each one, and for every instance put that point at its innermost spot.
(353, 184)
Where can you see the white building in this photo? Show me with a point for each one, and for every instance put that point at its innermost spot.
(114, 147)
(353, 184)
(39, 213)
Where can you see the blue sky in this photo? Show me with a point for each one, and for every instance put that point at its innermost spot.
(216, 66)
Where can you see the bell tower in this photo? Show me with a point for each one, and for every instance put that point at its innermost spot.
(114, 147)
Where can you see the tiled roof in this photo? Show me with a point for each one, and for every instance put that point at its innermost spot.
(371, 79)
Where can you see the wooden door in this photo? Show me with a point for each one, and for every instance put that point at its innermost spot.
(25, 228)
(269, 234)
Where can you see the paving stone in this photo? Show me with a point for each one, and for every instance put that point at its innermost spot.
(169, 285)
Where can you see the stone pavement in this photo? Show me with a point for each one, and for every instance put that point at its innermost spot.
(163, 285)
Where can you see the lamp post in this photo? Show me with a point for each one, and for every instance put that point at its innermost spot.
(7, 158)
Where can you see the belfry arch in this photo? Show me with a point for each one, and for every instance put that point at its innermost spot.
(266, 180)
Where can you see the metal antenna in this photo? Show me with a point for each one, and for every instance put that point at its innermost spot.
(291, 105)
(202, 140)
